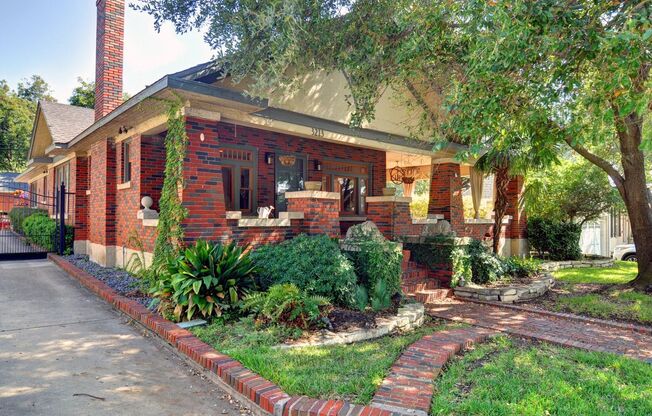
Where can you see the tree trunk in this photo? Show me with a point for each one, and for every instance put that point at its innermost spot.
(634, 191)
(500, 205)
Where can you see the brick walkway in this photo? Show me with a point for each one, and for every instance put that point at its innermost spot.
(409, 384)
(562, 331)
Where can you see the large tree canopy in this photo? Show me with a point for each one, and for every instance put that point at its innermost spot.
(572, 191)
(492, 74)
(17, 110)
(84, 94)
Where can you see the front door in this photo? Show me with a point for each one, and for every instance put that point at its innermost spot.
(290, 175)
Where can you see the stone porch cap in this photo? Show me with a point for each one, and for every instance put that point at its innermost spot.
(391, 198)
(312, 194)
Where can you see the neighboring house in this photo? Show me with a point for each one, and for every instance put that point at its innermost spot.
(601, 236)
(242, 154)
(9, 190)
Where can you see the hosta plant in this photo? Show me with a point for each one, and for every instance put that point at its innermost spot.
(207, 279)
(287, 304)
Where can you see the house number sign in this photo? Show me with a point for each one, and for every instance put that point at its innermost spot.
(317, 132)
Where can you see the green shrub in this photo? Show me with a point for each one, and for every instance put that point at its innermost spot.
(558, 240)
(486, 267)
(43, 232)
(313, 263)
(376, 260)
(206, 279)
(40, 230)
(288, 305)
(521, 267)
(18, 214)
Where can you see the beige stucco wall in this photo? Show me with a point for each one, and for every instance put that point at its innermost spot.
(324, 95)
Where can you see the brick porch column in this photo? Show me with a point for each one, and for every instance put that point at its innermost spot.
(79, 178)
(321, 211)
(102, 202)
(391, 214)
(446, 193)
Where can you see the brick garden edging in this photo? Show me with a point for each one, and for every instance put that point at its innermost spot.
(422, 359)
(409, 384)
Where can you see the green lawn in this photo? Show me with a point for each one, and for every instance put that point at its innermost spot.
(617, 302)
(351, 372)
(502, 377)
(621, 272)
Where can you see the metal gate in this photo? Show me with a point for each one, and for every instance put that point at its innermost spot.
(33, 225)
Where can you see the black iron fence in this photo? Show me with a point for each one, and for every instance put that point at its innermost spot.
(32, 224)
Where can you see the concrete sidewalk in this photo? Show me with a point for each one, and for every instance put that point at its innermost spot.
(63, 351)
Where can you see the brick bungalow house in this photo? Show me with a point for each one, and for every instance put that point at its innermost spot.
(242, 154)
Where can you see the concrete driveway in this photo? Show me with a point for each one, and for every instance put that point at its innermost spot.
(63, 351)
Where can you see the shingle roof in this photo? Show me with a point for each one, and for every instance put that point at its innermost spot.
(7, 183)
(66, 121)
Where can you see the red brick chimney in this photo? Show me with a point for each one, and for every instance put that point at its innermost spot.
(109, 56)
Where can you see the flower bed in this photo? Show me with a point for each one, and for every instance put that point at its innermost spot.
(508, 293)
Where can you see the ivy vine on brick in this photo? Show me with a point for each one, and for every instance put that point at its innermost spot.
(172, 213)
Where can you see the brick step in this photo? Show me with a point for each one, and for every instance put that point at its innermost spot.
(410, 288)
(432, 295)
(415, 275)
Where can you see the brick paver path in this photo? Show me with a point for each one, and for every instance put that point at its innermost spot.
(409, 384)
(563, 331)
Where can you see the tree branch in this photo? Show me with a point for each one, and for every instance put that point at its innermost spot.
(598, 161)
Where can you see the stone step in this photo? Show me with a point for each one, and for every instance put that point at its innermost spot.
(432, 295)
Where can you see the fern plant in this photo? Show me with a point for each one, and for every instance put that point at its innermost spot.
(286, 304)
(381, 296)
(206, 279)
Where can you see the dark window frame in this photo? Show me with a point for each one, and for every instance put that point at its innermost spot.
(236, 167)
(278, 167)
(126, 161)
(361, 203)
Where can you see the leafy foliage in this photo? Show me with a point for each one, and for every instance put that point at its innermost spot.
(84, 94)
(169, 236)
(486, 267)
(18, 214)
(288, 305)
(377, 260)
(43, 231)
(313, 263)
(532, 74)
(34, 89)
(16, 118)
(572, 191)
(206, 279)
(521, 267)
(361, 297)
(558, 240)
(381, 296)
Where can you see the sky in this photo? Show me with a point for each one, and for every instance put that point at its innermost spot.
(56, 40)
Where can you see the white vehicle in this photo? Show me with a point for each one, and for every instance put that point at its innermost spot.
(626, 252)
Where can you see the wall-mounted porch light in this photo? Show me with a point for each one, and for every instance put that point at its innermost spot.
(269, 158)
(317, 165)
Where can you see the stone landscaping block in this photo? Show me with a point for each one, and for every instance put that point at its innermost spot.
(488, 298)
(508, 298)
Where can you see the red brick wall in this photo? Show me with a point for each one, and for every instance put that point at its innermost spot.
(203, 194)
(320, 216)
(79, 184)
(109, 56)
(147, 155)
(102, 224)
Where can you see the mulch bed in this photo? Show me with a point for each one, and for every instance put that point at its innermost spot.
(119, 280)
